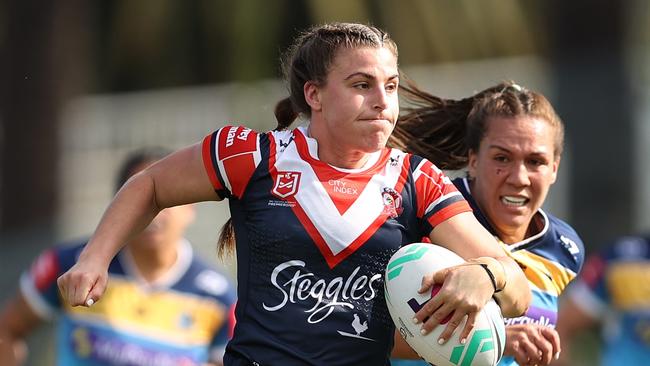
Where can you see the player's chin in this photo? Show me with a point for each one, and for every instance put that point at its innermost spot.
(376, 142)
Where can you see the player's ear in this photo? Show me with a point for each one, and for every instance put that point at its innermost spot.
(472, 163)
(312, 95)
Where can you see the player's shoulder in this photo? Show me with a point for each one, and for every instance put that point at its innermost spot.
(566, 233)
(567, 240)
(628, 247)
(66, 253)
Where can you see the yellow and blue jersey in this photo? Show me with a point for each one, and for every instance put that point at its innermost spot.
(550, 260)
(184, 318)
(615, 289)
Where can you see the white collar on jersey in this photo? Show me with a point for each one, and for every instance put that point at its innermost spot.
(528, 240)
(171, 277)
(313, 151)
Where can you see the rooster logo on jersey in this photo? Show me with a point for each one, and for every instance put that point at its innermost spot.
(392, 202)
(286, 184)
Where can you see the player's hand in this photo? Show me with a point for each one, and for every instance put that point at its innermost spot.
(532, 344)
(464, 291)
(84, 283)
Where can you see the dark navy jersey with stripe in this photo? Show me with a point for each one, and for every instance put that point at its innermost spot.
(550, 260)
(313, 242)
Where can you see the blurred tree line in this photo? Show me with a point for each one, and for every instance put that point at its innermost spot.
(52, 51)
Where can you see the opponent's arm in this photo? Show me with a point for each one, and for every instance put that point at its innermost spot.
(402, 350)
(17, 320)
(572, 319)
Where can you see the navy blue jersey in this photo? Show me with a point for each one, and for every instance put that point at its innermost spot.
(313, 242)
(550, 260)
(184, 318)
(614, 289)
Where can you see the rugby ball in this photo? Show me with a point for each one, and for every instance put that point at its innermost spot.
(403, 276)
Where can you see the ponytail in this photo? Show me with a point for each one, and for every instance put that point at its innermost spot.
(285, 114)
(226, 243)
(433, 128)
(444, 131)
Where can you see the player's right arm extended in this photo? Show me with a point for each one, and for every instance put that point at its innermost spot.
(178, 179)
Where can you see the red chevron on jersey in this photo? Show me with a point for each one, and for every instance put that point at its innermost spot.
(339, 234)
(342, 187)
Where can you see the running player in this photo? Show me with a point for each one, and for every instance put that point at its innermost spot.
(162, 305)
(512, 150)
(612, 292)
(317, 211)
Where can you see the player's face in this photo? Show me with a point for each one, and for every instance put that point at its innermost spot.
(168, 226)
(513, 171)
(357, 106)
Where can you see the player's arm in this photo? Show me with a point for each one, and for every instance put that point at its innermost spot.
(532, 344)
(402, 349)
(572, 320)
(178, 179)
(466, 288)
(17, 320)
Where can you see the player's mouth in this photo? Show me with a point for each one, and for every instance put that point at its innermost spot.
(514, 201)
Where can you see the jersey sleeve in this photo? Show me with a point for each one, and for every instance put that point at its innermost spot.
(437, 197)
(230, 157)
(38, 284)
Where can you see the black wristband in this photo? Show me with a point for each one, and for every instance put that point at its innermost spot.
(491, 275)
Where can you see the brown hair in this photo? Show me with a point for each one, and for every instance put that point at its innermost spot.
(135, 159)
(445, 130)
(310, 58)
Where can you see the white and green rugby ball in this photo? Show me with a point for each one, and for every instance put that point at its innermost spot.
(404, 272)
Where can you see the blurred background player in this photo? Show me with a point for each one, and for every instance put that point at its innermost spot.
(513, 142)
(613, 294)
(162, 306)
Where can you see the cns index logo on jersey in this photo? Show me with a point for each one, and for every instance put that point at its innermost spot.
(286, 184)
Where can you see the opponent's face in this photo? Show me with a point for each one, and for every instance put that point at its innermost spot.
(513, 171)
(168, 226)
(357, 106)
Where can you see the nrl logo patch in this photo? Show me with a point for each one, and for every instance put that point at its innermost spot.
(286, 184)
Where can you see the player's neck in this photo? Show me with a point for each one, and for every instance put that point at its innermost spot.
(524, 232)
(154, 263)
(330, 152)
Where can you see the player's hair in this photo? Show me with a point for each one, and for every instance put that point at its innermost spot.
(445, 130)
(310, 58)
(135, 159)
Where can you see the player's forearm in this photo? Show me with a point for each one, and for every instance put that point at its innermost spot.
(12, 350)
(515, 295)
(129, 213)
(402, 350)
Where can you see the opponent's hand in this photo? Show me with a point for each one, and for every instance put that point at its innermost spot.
(84, 283)
(532, 344)
(464, 291)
